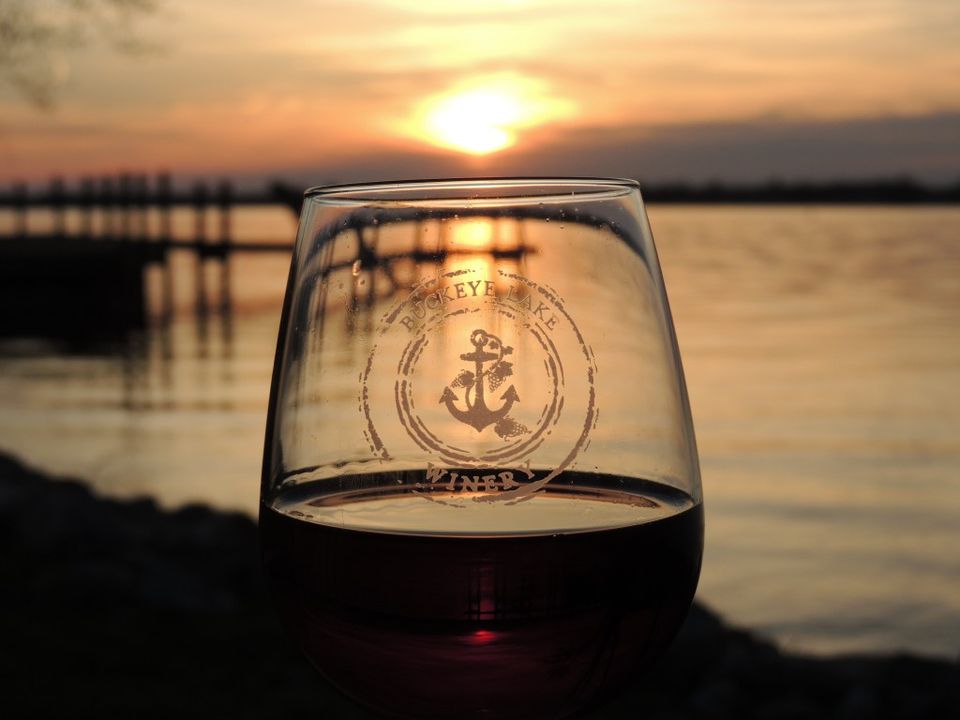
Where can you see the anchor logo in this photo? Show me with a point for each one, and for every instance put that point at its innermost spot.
(488, 350)
(483, 417)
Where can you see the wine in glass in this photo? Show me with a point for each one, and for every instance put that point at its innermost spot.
(481, 495)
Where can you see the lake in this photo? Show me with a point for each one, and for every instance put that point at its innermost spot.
(822, 353)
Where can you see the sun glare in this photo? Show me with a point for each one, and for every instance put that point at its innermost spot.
(486, 115)
(476, 121)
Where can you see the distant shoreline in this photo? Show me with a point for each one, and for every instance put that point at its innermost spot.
(879, 192)
(131, 191)
(882, 191)
(131, 609)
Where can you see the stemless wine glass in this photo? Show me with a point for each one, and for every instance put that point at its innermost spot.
(481, 495)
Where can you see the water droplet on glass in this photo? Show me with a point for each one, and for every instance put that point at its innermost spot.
(356, 267)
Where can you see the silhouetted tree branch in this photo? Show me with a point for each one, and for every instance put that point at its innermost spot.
(35, 35)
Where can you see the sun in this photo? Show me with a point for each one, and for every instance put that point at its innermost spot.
(486, 114)
(477, 121)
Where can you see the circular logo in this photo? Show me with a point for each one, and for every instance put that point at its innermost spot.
(486, 376)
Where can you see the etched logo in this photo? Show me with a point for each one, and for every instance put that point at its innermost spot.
(488, 350)
(482, 372)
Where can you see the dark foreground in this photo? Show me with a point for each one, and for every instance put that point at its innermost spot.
(119, 609)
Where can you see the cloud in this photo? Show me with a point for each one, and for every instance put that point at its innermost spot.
(692, 88)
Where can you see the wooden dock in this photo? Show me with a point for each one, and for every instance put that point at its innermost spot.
(85, 279)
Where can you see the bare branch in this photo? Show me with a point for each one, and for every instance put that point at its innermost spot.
(36, 35)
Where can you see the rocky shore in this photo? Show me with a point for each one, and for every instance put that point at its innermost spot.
(120, 609)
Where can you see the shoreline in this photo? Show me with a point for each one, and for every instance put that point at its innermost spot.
(119, 606)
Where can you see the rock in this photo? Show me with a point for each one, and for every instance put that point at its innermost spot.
(716, 699)
(859, 703)
(119, 608)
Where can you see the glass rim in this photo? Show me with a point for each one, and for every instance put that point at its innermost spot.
(516, 190)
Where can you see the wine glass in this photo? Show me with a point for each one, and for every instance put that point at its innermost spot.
(481, 493)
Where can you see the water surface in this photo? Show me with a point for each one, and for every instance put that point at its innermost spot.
(822, 355)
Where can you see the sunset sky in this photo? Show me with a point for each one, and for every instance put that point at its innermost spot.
(346, 90)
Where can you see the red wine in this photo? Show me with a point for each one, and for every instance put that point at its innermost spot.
(532, 610)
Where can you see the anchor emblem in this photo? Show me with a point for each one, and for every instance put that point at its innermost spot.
(488, 350)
